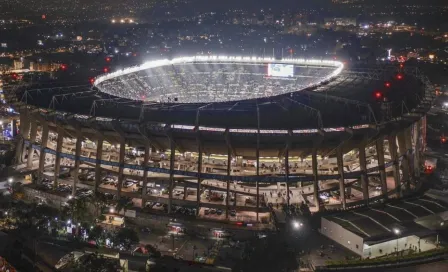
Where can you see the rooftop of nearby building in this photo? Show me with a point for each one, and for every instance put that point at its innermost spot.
(379, 223)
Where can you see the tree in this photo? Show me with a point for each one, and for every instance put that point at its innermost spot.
(99, 201)
(95, 263)
(269, 254)
(97, 234)
(152, 251)
(42, 211)
(125, 238)
(78, 210)
(124, 204)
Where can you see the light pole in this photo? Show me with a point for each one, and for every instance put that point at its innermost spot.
(397, 232)
(194, 249)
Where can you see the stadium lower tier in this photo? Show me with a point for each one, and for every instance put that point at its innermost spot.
(226, 182)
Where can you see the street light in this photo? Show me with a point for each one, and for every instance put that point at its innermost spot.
(296, 224)
(69, 222)
(10, 180)
(111, 210)
(397, 232)
(70, 197)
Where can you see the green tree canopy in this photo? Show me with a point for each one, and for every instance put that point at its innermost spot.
(95, 263)
(126, 237)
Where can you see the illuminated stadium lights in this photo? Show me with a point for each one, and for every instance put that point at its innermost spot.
(334, 129)
(103, 119)
(212, 129)
(166, 62)
(264, 131)
(237, 130)
(80, 116)
(361, 126)
(305, 131)
(182, 127)
(209, 79)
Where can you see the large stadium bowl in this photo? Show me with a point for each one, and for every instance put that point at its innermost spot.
(235, 102)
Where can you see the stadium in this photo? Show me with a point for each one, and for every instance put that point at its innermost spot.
(233, 134)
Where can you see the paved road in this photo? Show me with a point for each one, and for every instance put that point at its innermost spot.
(432, 267)
(163, 242)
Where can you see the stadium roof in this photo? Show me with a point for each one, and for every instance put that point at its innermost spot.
(345, 101)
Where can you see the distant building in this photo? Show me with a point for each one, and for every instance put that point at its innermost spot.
(340, 21)
(44, 66)
(17, 64)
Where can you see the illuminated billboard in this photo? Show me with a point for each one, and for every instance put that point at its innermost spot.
(280, 70)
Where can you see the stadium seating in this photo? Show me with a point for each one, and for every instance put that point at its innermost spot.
(206, 82)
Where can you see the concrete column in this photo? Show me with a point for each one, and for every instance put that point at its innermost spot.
(57, 164)
(287, 175)
(24, 132)
(315, 179)
(381, 169)
(77, 160)
(198, 195)
(417, 147)
(171, 187)
(409, 149)
(363, 168)
(121, 166)
(395, 166)
(44, 144)
(405, 159)
(229, 164)
(340, 160)
(33, 134)
(25, 124)
(99, 157)
(185, 191)
(145, 171)
(257, 154)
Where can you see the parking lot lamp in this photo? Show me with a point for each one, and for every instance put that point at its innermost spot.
(397, 232)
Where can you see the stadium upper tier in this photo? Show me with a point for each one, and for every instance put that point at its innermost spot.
(216, 79)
